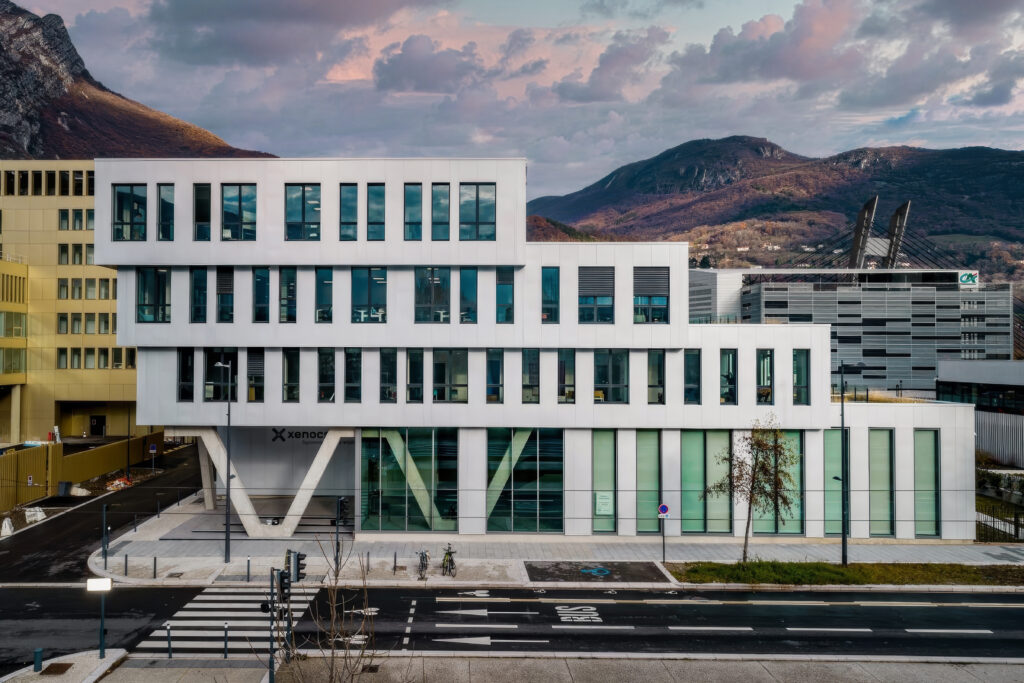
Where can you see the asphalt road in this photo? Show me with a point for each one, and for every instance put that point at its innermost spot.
(57, 550)
(976, 625)
(66, 620)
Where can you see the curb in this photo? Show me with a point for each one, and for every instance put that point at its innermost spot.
(112, 660)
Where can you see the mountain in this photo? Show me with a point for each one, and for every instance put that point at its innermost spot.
(745, 200)
(52, 108)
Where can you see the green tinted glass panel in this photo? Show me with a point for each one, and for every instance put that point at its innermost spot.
(880, 482)
(648, 480)
(499, 479)
(833, 487)
(926, 482)
(604, 480)
(370, 470)
(691, 513)
(717, 449)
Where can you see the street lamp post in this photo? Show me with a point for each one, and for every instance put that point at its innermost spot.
(845, 448)
(101, 586)
(227, 469)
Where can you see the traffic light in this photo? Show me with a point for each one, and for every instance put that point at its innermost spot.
(284, 587)
(298, 566)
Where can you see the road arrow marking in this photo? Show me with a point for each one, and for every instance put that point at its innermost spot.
(477, 594)
(485, 641)
(368, 612)
(478, 612)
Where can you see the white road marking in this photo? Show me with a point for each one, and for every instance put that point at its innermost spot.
(710, 628)
(478, 612)
(832, 630)
(593, 627)
(485, 640)
(478, 626)
(981, 631)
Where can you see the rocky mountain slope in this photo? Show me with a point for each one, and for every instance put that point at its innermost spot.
(51, 107)
(745, 200)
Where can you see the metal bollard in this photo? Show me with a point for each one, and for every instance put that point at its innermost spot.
(178, 491)
(126, 564)
(394, 567)
(154, 566)
(248, 568)
(367, 560)
(135, 522)
(37, 660)
(225, 640)
(158, 508)
(170, 652)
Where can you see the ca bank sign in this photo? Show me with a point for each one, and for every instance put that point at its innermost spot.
(968, 278)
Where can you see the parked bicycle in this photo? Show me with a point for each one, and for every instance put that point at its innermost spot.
(424, 563)
(448, 562)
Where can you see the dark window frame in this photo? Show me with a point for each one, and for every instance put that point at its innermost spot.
(305, 229)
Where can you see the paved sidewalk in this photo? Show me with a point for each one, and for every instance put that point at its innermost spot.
(85, 667)
(185, 555)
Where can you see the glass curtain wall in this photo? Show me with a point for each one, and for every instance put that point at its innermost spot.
(524, 490)
(702, 464)
(410, 479)
(776, 521)
(648, 480)
(880, 488)
(926, 482)
(834, 481)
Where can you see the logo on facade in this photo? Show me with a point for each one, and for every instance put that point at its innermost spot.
(969, 278)
(278, 434)
(284, 434)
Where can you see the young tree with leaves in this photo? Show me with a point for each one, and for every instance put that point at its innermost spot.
(763, 479)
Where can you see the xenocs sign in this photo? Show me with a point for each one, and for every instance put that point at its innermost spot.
(286, 433)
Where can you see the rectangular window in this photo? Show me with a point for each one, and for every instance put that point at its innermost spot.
(62, 359)
(65, 183)
(353, 375)
(727, 372)
(197, 303)
(76, 359)
(650, 294)
(129, 213)
(604, 480)
(440, 212)
(302, 212)
(63, 219)
(254, 360)
(495, 375)
(186, 374)
(76, 220)
(524, 474)
(691, 376)
(409, 479)
(880, 482)
(369, 295)
(90, 359)
(115, 358)
(23, 183)
(705, 460)
(90, 183)
(62, 323)
(531, 375)
(90, 255)
(325, 375)
(567, 375)
(389, 375)
(51, 183)
(926, 482)
(90, 219)
(467, 294)
(103, 359)
(611, 376)
(76, 254)
(648, 480)
(413, 212)
(152, 295)
(225, 294)
(260, 295)
(433, 294)
(477, 211)
(129, 359)
(801, 377)
(78, 182)
(220, 371)
(76, 323)
(90, 323)
(9, 183)
(505, 295)
(451, 376)
(414, 376)
(596, 294)
(324, 311)
(104, 323)
(775, 520)
(201, 212)
(238, 213)
(834, 481)
(375, 212)
(286, 295)
(349, 212)
(656, 377)
(290, 375)
(549, 294)
(765, 377)
(62, 254)
(62, 288)
(90, 288)
(165, 212)
(37, 183)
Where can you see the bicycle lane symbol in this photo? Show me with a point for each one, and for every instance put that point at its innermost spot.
(596, 571)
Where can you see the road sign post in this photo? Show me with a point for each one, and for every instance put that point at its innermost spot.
(662, 516)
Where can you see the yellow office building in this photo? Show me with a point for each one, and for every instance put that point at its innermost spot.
(75, 377)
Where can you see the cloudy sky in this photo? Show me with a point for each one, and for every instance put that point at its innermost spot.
(576, 86)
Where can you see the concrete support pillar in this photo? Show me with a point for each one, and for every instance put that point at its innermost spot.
(472, 481)
(206, 472)
(578, 477)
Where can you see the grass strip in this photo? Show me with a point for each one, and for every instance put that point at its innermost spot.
(824, 573)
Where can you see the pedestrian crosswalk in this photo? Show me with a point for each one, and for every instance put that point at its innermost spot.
(199, 627)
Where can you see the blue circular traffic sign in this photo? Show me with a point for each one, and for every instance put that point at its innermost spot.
(663, 509)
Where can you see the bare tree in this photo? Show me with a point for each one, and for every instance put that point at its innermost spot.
(764, 479)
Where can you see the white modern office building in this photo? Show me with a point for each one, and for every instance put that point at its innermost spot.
(386, 333)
